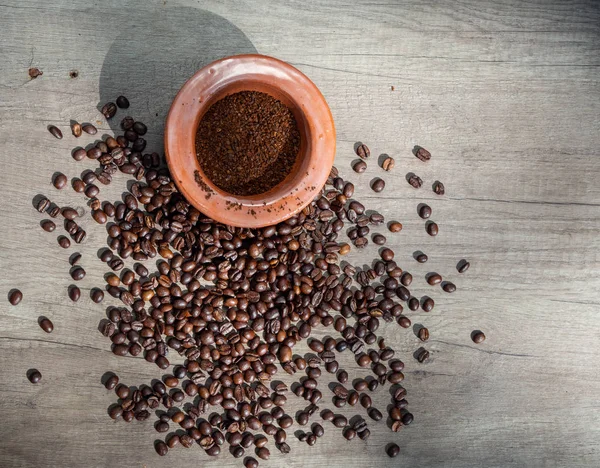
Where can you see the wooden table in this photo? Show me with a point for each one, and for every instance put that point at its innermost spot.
(506, 96)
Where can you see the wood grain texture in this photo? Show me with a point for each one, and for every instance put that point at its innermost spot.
(506, 96)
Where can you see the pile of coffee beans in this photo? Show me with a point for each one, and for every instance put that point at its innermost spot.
(231, 304)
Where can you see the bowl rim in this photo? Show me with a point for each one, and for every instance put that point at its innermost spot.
(277, 204)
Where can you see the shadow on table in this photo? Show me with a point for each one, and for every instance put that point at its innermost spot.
(156, 52)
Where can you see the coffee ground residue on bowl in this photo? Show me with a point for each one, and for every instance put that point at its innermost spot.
(247, 143)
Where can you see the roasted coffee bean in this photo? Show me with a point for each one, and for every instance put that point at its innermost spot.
(327, 415)
(43, 205)
(438, 188)
(161, 448)
(434, 278)
(415, 181)
(69, 213)
(140, 128)
(377, 185)
(395, 226)
(448, 287)
(432, 228)
(363, 151)
(422, 355)
(340, 421)
(388, 164)
(413, 303)
(34, 376)
(423, 154)
(364, 435)
(365, 400)
(46, 324)
(404, 322)
(122, 102)
(406, 279)
(76, 129)
(55, 131)
(250, 462)
(421, 257)
(60, 181)
(74, 293)
(379, 239)
(109, 110)
(111, 382)
(427, 304)
(78, 185)
(89, 129)
(359, 167)
(77, 273)
(91, 191)
(79, 154)
(15, 296)
(99, 216)
(478, 337)
(342, 376)
(462, 266)
(392, 450)
(423, 334)
(349, 433)
(64, 242)
(97, 295)
(424, 211)
(375, 414)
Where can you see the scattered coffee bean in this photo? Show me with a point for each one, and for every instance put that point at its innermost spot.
(395, 226)
(15, 296)
(97, 295)
(161, 448)
(421, 257)
(379, 239)
(109, 110)
(423, 154)
(463, 266)
(377, 185)
(432, 228)
(64, 242)
(424, 211)
(438, 188)
(55, 131)
(89, 129)
(122, 102)
(60, 181)
(478, 337)
(423, 334)
(46, 324)
(422, 355)
(448, 287)
(74, 293)
(43, 205)
(76, 129)
(34, 376)
(433, 279)
(111, 382)
(77, 273)
(69, 213)
(48, 225)
(363, 151)
(393, 450)
(415, 181)
(427, 304)
(250, 462)
(388, 164)
(359, 167)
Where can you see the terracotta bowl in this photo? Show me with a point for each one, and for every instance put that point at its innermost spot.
(280, 80)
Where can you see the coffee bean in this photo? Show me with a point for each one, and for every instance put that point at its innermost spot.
(395, 226)
(43, 205)
(359, 167)
(433, 279)
(421, 257)
(427, 304)
(250, 462)
(327, 415)
(363, 151)
(97, 295)
(161, 448)
(448, 287)
(76, 129)
(413, 303)
(404, 322)
(438, 188)
(424, 211)
(415, 181)
(111, 382)
(140, 128)
(77, 273)
(74, 293)
(54, 211)
(375, 414)
(422, 355)
(349, 433)
(431, 228)
(15, 296)
(423, 154)
(56, 133)
(392, 450)
(388, 164)
(34, 376)
(364, 435)
(463, 266)
(423, 334)
(340, 421)
(109, 110)
(122, 102)
(365, 400)
(379, 239)
(89, 129)
(91, 191)
(99, 216)
(60, 181)
(69, 213)
(64, 242)
(79, 154)
(377, 184)
(46, 324)
(478, 337)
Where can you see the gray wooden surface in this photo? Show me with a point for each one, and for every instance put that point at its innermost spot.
(505, 94)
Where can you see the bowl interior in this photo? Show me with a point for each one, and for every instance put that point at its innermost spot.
(240, 83)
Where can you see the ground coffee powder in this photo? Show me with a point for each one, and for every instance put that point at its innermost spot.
(247, 142)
